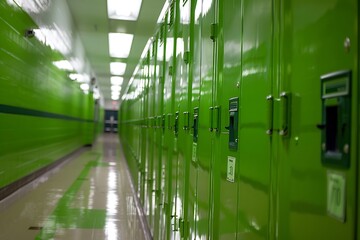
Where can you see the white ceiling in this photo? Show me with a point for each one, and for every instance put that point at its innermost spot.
(93, 25)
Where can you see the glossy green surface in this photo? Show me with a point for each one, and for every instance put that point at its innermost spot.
(195, 51)
(51, 115)
(309, 48)
(253, 51)
(254, 145)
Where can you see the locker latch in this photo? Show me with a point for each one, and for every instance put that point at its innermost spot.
(195, 124)
(336, 114)
(233, 122)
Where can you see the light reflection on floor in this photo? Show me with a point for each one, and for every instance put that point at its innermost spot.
(104, 194)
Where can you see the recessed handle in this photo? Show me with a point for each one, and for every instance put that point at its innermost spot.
(270, 104)
(285, 124)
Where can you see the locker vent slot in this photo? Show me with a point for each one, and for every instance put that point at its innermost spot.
(153, 49)
(162, 33)
(172, 14)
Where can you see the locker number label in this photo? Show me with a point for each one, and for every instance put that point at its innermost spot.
(230, 175)
(336, 185)
(194, 150)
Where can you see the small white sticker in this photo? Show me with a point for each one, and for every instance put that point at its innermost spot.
(336, 186)
(194, 149)
(231, 169)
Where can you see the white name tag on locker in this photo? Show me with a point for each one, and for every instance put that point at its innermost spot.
(230, 175)
(194, 154)
(336, 202)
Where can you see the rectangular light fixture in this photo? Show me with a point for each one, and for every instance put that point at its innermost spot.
(115, 88)
(117, 68)
(120, 44)
(64, 65)
(115, 98)
(124, 9)
(116, 80)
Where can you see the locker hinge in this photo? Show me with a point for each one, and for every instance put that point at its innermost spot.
(213, 32)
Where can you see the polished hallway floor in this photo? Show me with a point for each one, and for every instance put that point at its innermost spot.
(87, 197)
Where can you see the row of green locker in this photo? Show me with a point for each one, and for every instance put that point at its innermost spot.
(241, 121)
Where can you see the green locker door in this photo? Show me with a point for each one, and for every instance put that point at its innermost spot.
(242, 149)
(195, 51)
(182, 107)
(177, 101)
(158, 133)
(254, 165)
(169, 166)
(205, 140)
(160, 179)
(225, 116)
(149, 135)
(152, 136)
(143, 136)
(317, 125)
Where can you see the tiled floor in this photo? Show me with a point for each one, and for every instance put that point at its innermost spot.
(88, 197)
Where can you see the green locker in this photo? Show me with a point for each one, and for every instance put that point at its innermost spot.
(159, 134)
(177, 45)
(154, 68)
(255, 124)
(225, 117)
(204, 145)
(195, 51)
(316, 175)
(143, 132)
(183, 139)
(150, 136)
(168, 138)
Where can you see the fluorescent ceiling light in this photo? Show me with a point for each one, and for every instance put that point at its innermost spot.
(117, 68)
(74, 76)
(120, 44)
(116, 80)
(115, 97)
(84, 86)
(115, 88)
(124, 9)
(64, 65)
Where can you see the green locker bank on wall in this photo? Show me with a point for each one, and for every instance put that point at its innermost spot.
(44, 115)
(241, 121)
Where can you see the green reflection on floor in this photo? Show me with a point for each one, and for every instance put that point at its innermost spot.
(66, 217)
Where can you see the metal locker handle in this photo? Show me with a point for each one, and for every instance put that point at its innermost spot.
(176, 123)
(211, 113)
(186, 120)
(217, 118)
(163, 122)
(158, 119)
(169, 121)
(285, 124)
(270, 101)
